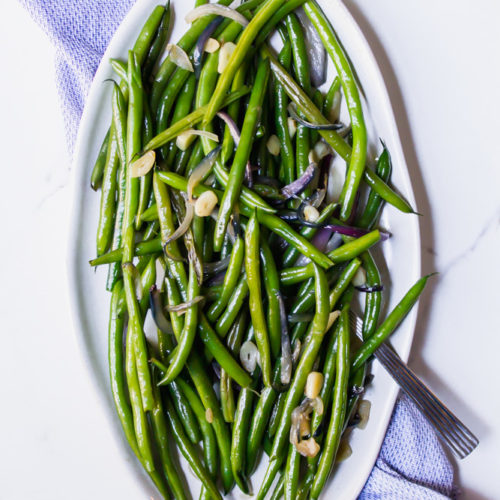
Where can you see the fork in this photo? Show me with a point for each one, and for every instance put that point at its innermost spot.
(451, 430)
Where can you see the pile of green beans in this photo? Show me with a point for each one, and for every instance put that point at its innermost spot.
(249, 298)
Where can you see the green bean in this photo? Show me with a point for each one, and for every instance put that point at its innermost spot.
(373, 300)
(374, 202)
(247, 197)
(389, 325)
(279, 15)
(188, 121)
(330, 100)
(272, 287)
(292, 470)
(221, 354)
(186, 43)
(138, 339)
(291, 252)
(242, 154)
(108, 187)
(282, 229)
(260, 419)
(310, 352)
(252, 269)
(230, 279)
(278, 408)
(162, 438)
(279, 489)
(158, 43)
(188, 450)
(353, 101)
(165, 217)
(134, 128)
(239, 54)
(120, 68)
(209, 400)
(233, 307)
(301, 68)
(181, 353)
(116, 372)
(281, 120)
(145, 180)
(239, 437)
(386, 192)
(305, 104)
(182, 108)
(140, 421)
(318, 101)
(234, 340)
(232, 110)
(174, 298)
(338, 408)
(328, 371)
(98, 169)
(143, 248)
(185, 411)
(344, 253)
(209, 441)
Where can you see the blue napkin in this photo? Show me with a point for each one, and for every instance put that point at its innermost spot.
(411, 464)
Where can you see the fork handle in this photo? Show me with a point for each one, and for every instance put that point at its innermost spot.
(453, 432)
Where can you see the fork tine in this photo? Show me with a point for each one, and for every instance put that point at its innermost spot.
(434, 400)
(446, 428)
(453, 432)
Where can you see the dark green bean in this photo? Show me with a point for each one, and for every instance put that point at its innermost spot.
(252, 269)
(301, 69)
(339, 404)
(230, 279)
(374, 202)
(188, 450)
(181, 352)
(353, 101)
(248, 36)
(292, 471)
(389, 325)
(252, 115)
(98, 170)
(287, 170)
(272, 287)
(209, 441)
(294, 395)
(233, 307)
(108, 195)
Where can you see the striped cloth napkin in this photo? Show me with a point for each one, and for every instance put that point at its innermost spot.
(412, 464)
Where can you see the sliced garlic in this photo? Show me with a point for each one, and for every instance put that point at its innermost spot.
(273, 145)
(332, 317)
(143, 165)
(314, 383)
(321, 149)
(205, 204)
(311, 213)
(212, 45)
(292, 127)
(225, 54)
(359, 278)
(308, 447)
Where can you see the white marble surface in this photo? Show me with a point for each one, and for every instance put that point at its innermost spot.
(440, 61)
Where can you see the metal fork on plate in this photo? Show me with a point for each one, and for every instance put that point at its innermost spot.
(452, 431)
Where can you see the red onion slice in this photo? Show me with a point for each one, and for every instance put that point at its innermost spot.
(296, 187)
